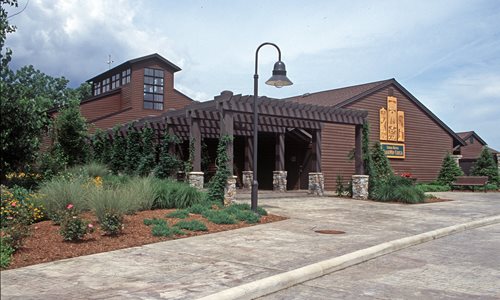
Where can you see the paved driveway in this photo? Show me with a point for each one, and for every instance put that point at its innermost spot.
(198, 266)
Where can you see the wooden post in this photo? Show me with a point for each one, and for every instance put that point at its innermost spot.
(227, 128)
(280, 152)
(316, 151)
(248, 153)
(195, 134)
(358, 150)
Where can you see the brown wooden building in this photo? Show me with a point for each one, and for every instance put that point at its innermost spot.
(471, 151)
(424, 139)
(311, 133)
(136, 88)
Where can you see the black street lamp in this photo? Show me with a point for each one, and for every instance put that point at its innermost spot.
(278, 80)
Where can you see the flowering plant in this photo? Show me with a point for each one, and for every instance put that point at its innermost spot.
(406, 175)
(74, 228)
(18, 205)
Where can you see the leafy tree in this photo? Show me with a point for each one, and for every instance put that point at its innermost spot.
(147, 161)
(381, 165)
(119, 147)
(98, 146)
(134, 149)
(168, 163)
(218, 183)
(71, 134)
(485, 166)
(449, 170)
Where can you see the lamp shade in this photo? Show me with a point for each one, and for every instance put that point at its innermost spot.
(279, 78)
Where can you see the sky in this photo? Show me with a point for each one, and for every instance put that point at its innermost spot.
(446, 53)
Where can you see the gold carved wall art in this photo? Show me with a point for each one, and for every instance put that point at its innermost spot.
(392, 123)
(383, 124)
(401, 126)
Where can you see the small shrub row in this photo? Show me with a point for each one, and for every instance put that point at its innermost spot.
(193, 225)
(399, 189)
(179, 214)
(161, 228)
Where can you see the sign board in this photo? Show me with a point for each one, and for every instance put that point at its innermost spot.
(392, 150)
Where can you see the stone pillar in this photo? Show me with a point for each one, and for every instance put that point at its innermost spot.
(457, 158)
(247, 179)
(316, 184)
(196, 179)
(230, 190)
(360, 187)
(279, 181)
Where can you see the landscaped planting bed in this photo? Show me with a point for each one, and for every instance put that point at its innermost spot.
(46, 244)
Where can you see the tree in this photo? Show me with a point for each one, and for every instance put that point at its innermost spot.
(147, 161)
(134, 149)
(70, 129)
(449, 170)
(119, 147)
(218, 183)
(485, 166)
(381, 165)
(168, 163)
(367, 158)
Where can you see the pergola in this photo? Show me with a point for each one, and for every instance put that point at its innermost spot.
(231, 115)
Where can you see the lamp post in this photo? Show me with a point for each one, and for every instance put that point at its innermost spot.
(278, 80)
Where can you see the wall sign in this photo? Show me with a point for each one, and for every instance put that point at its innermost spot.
(392, 129)
(393, 150)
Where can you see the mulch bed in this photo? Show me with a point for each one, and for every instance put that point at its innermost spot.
(46, 244)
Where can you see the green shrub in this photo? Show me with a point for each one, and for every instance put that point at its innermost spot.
(134, 150)
(58, 193)
(261, 211)
(118, 161)
(154, 221)
(381, 165)
(140, 193)
(193, 225)
(6, 252)
(74, 228)
(168, 163)
(248, 216)
(218, 182)
(112, 223)
(94, 169)
(115, 181)
(179, 214)
(449, 171)
(172, 194)
(219, 217)
(147, 161)
(198, 209)
(52, 163)
(433, 188)
(485, 166)
(339, 190)
(399, 189)
(19, 205)
(162, 229)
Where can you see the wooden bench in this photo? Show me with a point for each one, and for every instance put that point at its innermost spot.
(470, 181)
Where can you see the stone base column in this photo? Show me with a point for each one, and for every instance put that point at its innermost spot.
(360, 187)
(316, 184)
(247, 180)
(279, 181)
(196, 179)
(230, 190)
(457, 158)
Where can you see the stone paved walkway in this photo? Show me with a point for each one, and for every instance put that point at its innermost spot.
(199, 266)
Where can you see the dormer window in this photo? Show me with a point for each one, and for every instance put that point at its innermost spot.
(153, 88)
(471, 140)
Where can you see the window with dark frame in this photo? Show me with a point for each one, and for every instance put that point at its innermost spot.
(115, 81)
(153, 89)
(97, 88)
(106, 85)
(125, 76)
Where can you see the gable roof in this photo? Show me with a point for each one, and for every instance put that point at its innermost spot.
(156, 56)
(342, 97)
(467, 134)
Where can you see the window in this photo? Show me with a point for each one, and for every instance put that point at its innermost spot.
(105, 85)
(153, 89)
(115, 81)
(97, 88)
(125, 76)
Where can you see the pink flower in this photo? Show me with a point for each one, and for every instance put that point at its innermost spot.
(13, 204)
(91, 226)
(70, 206)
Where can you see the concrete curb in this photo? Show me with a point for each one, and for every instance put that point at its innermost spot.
(285, 280)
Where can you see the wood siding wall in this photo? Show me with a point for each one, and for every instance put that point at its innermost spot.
(471, 150)
(426, 142)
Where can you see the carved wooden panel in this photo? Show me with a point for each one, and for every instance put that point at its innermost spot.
(392, 121)
(383, 124)
(401, 126)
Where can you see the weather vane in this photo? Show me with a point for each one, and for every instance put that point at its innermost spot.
(109, 62)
